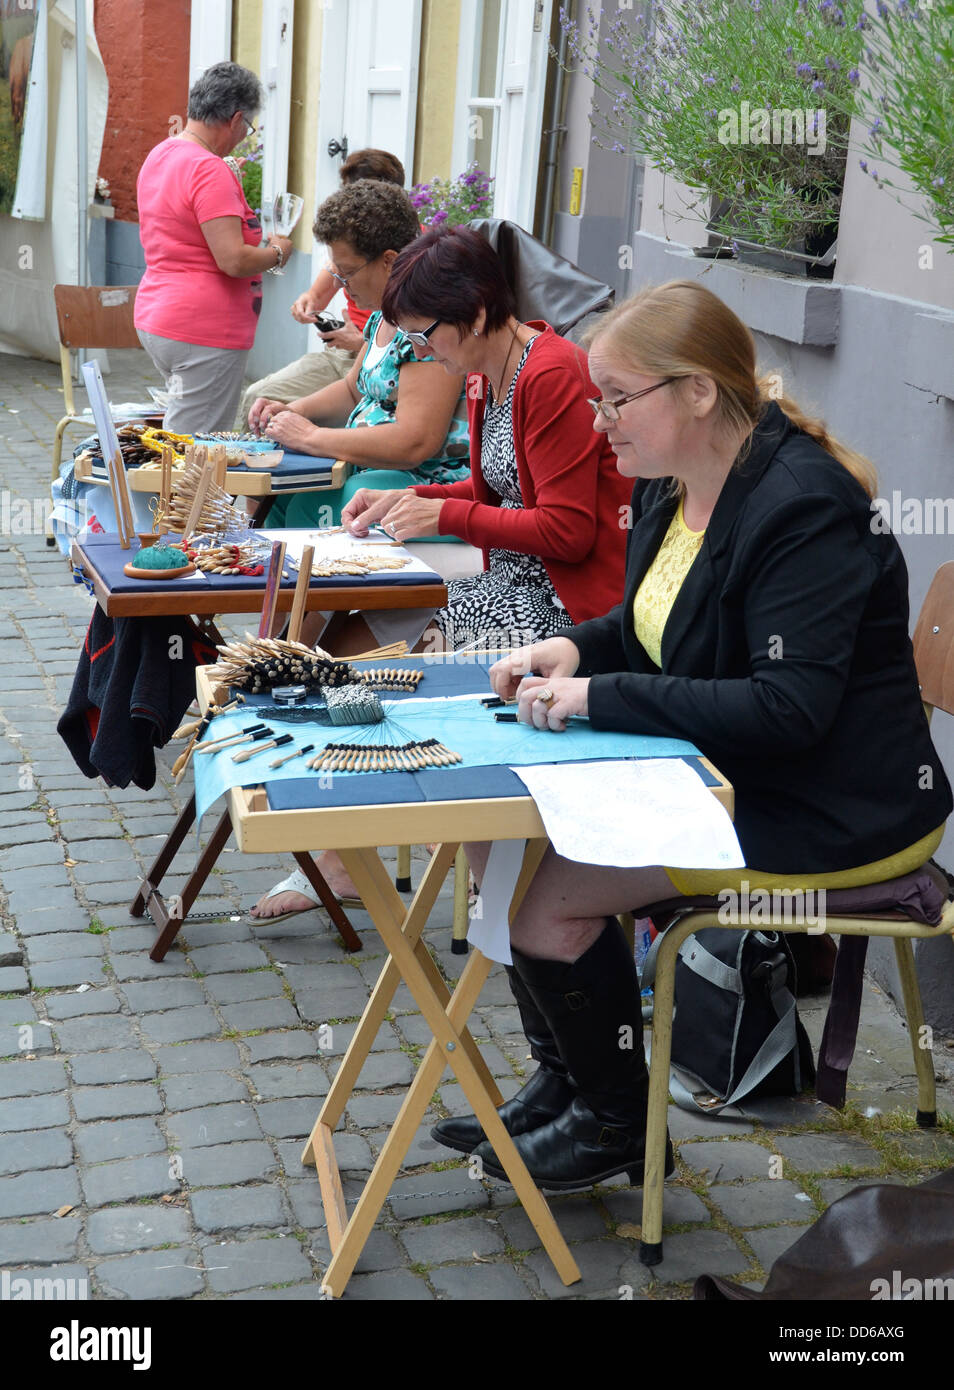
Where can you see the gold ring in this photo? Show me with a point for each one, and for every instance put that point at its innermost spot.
(546, 696)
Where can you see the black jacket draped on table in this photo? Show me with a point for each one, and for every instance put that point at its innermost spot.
(786, 659)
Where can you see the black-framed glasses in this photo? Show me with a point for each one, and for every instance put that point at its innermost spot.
(343, 279)
(423, 338)
(610, 409)
(250, 129)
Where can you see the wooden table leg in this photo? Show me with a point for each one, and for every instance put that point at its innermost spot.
(164, 858)
(328, 901)
(448, 1026)
(377, 1006)
(169, 921)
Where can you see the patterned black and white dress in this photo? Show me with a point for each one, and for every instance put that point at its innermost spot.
(513, 602)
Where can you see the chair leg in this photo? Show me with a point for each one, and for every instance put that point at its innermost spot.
(461, 895)
(923, 1056)
(402, 881)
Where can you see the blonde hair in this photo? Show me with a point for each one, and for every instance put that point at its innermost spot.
(680, 329)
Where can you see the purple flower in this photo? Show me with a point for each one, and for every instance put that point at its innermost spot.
(438, 217)
(854, 77)
(818, 86)
(863, 165)
(804, 69)
(938, 182)
(736, 86)
(873, 130)
(708, 80)
(830, 63)
(883, 10)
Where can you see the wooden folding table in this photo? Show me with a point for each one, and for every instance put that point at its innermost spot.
(201, 603)
(354, 831)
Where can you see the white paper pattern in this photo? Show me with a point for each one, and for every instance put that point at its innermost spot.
(631, 814)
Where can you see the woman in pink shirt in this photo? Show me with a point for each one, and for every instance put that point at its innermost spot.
(198, 303)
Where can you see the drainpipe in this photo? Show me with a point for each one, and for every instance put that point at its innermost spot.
(553, 136)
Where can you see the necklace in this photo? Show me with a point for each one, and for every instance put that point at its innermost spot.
(506, 360)
(200, 140)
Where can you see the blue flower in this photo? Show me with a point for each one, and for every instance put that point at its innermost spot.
(873, 130)
(863, 165)
(736, 87)
(804, 69)
(938, 182)
(818, 86)
(854, 77)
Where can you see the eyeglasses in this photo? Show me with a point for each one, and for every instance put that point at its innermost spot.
(610, 409)
(252, 130)
(344, 279)
(421, 339)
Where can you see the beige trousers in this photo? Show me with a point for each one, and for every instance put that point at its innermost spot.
(301, 378)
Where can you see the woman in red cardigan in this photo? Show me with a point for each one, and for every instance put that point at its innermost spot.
(544, 501)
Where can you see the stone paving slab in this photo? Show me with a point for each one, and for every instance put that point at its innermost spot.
(168, 1104)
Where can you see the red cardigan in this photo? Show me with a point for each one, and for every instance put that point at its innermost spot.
(574, 499)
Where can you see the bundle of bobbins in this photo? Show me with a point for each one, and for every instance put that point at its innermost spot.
(227, 559)
(260, 663)
(353, 704)
(413, 756)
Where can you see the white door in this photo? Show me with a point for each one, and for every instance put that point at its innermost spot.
(501, 81)
(370, 52)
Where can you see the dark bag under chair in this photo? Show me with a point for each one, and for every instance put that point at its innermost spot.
(736, 1031)
(879, 1242)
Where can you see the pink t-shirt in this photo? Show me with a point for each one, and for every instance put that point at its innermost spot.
(183, 294)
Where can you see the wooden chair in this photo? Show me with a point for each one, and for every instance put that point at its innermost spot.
(93, 316)
(934, 657)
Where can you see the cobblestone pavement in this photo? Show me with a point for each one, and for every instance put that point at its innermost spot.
(152, 1116)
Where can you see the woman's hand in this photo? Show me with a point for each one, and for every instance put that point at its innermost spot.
(284, 244)
(349, 338)
(569, 697)
(263, 409)
(556, 657)
(292, 431)
(307, 305)
(413, 516)
(367, 507)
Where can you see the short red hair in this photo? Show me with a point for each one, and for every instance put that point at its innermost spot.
(450, 274)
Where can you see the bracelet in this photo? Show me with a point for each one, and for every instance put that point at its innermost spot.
(281, 257)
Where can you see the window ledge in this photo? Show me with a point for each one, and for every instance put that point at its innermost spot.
(785, 306)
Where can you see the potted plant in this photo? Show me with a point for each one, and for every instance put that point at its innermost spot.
(454, 201)
(733, 98)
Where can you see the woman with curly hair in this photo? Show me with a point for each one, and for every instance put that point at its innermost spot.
(365, 225)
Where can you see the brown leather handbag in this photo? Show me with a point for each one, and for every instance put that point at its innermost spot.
(875, 1243)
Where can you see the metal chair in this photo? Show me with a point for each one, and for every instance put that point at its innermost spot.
(934, 657)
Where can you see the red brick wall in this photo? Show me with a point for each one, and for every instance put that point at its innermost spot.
(145, 47)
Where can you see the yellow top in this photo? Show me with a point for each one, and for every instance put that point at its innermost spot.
(662, 582)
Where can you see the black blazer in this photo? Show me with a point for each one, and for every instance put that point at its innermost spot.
(786, 659)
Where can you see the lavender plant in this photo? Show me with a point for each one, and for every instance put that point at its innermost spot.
(908, 104)
(733, 98)
(454, 201)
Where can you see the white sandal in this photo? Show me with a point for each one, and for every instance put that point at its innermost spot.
(298, 883)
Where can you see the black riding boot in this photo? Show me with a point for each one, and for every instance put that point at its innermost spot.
(546, 1094)
(592, 1008)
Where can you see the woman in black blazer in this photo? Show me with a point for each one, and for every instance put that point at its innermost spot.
(765, 618)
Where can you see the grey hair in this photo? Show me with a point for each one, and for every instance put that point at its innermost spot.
(223, 89)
